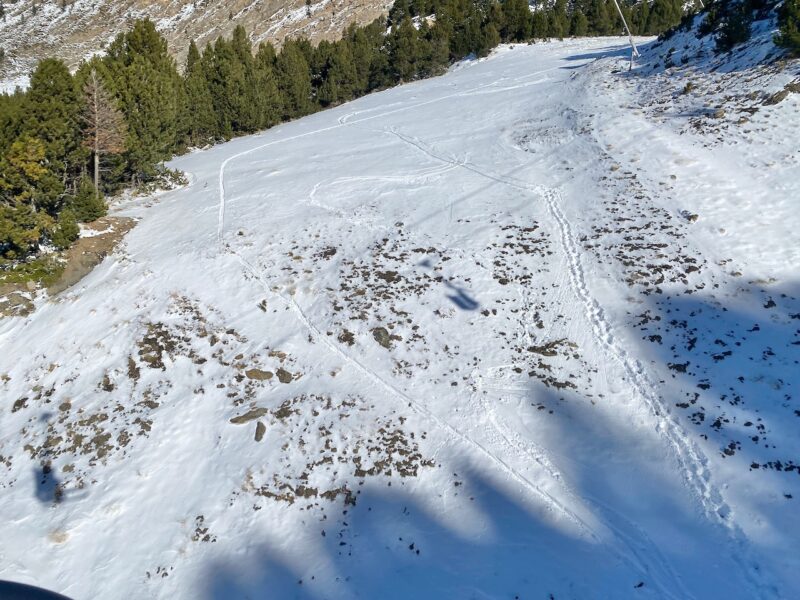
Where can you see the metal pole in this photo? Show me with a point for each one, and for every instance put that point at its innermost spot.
(627, 30)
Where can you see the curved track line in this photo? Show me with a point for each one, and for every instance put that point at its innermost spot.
(344, 122)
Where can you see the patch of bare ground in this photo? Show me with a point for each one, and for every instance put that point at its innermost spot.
(89, 251)
(16, 299)
(104, 234)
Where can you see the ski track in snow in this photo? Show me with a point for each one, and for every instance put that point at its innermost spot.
(692, 461)
(690, 458)
(636, 558)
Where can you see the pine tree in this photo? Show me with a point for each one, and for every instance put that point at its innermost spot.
(363, 50)
(663, 15)
(579, 25)
(88, 204)
(340, 76)
(226, 80)
(735, 25)
(202, 126)
(21, 228)
(558, 22)
(789, 26)
(517, 21)
(65, 231)
(600, 22)
(11, 117)
(495, 16)
(52, 114)
(641, 16)
(26, 177)
(403, 45)
(398, 12)
(104, 125)
(470, 34)
(540, 25)
(293, 75)
(27, 189)
(319, 63)
(149, 88)
(439, 48)
(491, 37)
(269, 97)
(246, 95)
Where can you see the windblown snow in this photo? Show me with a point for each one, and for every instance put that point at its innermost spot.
(527, 330)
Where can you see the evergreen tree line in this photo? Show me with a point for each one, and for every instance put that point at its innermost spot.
(69, 139)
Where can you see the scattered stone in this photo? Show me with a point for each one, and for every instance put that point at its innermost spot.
(382, 337)
(691, 217)
(284, 376)
(250, 415)
(347, 337)
(261, 429)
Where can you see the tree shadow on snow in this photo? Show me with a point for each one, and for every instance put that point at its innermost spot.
(394, 543)
(469, 529)
(736, 359)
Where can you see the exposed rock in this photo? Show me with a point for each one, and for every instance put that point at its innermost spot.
(259, 375)
(261, 429)
(250, 415)
(382, 337)
(284, 376)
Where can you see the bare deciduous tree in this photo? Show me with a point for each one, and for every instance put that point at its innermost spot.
(104, 124)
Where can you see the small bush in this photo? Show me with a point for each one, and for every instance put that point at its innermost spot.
(87, 205)
(45, 270)
(165, 179)
(66, 230)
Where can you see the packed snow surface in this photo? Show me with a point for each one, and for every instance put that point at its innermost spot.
(521, 331)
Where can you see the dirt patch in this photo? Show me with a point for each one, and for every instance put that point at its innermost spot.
(16, 300)
(88, 252)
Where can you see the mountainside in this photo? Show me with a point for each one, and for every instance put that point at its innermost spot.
(76, 29)
(530, 329)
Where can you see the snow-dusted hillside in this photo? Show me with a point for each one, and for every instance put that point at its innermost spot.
(74, 30)
(527, 330)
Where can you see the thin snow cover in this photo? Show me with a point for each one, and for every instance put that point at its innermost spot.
(9, 86)
(293, 16)
(481, 336)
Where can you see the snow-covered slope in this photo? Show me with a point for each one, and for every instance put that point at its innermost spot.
(458, 339)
